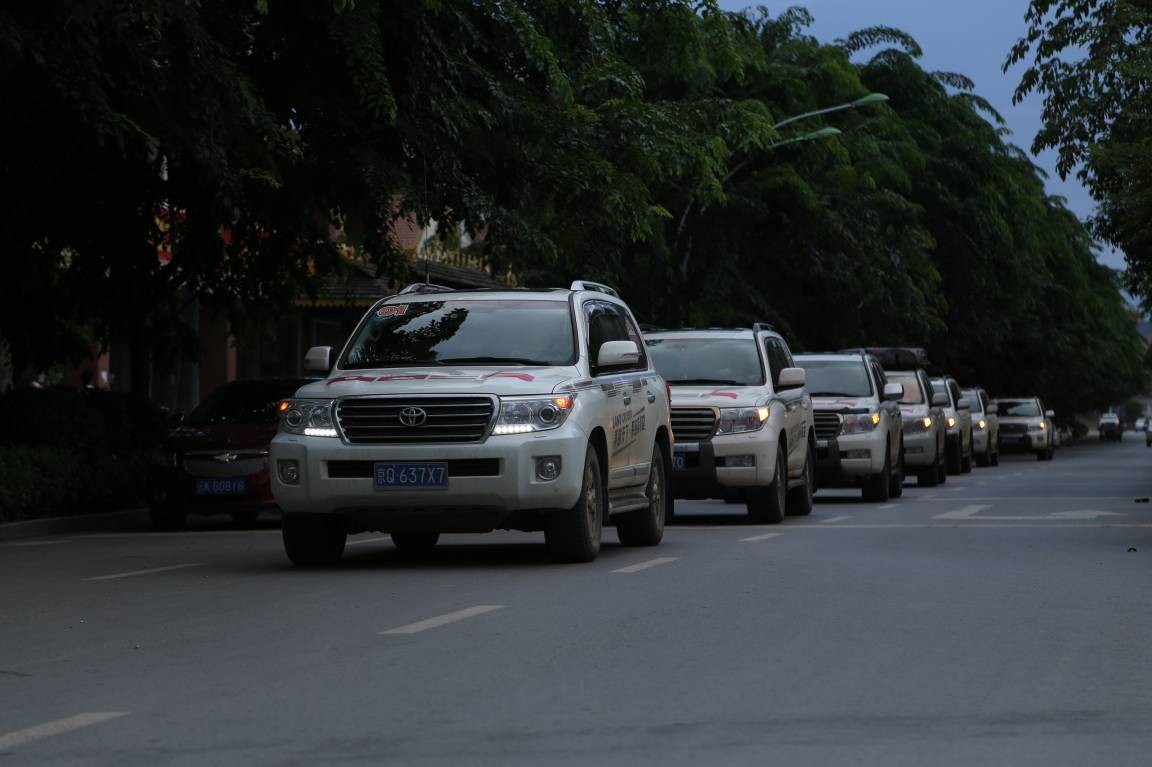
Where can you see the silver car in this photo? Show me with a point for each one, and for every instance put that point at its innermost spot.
(985, 427)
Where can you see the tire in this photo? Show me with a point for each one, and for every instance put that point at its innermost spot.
(896, 483)
(985, 458)
(415, 541)
(574, 535)
(313, 541)
(966, 461)
(167, 521)
(245, 518)
(767, 505)
(929, 477)
(953, 463)
(995, 459)
(646, 526)
(878, 487)
(799, 502)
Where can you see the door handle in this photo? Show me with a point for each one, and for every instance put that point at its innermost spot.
(627, 399)
(651, 398)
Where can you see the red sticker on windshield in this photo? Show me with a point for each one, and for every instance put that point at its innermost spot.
(393, 310)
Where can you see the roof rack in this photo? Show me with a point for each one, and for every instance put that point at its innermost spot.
(593, 286)
(425, 287)
(763, 326)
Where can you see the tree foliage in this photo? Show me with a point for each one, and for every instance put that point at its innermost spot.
(640, 142)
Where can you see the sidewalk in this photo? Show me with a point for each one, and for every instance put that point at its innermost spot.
(127, 519)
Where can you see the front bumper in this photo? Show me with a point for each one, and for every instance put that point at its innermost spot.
(849, 457)
(487, 481)
(703, 470)
(1023, 442)
(979, 440)
(920, 448)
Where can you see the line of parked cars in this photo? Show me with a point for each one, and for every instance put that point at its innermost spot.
(459, 411)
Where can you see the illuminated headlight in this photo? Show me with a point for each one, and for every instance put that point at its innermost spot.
(981, 424)
(918, 424)
(860, 423)
(738, 420)
(309, 417)
(951, 422)
(1040, 427)
(524, 416)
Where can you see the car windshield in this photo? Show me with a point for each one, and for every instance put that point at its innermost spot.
(836, 378)
(1017, 408)
(707, 361)
(242, 403)
(973, 397)
(465, 332)
(913, 394)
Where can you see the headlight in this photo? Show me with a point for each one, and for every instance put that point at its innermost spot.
(951, 422)
(1042, 426)
(738, 420)
(310, 417)
(860, 423)
(981, 424)
(523, 416)
(918, 424)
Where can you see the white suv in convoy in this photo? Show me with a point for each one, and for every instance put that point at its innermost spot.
(985, 427)
(469, 411)
(958, 416)
(925, 426)
(1025, 427)
(859, 428)
(742, 419)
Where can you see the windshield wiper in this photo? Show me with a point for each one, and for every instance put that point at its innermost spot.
(493, 361)
(707, 382)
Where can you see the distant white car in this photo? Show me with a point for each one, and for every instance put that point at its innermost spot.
(985, 427)
(1025, 426)
(958, 415)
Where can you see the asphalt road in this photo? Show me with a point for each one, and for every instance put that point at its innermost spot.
(1000, 619)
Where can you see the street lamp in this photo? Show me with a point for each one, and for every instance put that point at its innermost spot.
(863, 101)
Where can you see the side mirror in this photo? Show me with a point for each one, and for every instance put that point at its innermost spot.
(1049, 413)
(964, 404)
(614, 354)
(792, 378)
(318, 359)
(893, 392)
(939, 399)
(993, 409)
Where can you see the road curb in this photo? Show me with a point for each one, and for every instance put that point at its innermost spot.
(113, 520)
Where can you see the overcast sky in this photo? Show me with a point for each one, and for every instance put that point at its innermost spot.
(972, 38)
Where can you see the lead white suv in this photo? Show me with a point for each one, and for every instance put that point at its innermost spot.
(469, 411)
(859, 427)
(742, 419)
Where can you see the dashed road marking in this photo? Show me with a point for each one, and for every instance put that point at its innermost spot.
(443, 620)
(149, 571)
(763, 537)
(962, 513)
(886, 506)
(57, 727)
(645, 565)
(833, 519)
(359, 541)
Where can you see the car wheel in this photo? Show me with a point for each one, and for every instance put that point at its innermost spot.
(574, 535)
(995, 459)
(985, 458)
(966, 461)
(896, 483)
(167, 521)
(799, 503)
(245, 518)
(952, 459)
(415, 541)
(646, 526)
(767, 505)
(313, 541)
(878, 488)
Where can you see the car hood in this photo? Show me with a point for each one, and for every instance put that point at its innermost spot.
(1032, 419)
(501, 381)
(211, 437)
(718, 396)
(842, 403)
(914, 411)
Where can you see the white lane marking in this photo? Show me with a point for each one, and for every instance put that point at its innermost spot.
(58, 727)
(964, 512)
(834, 519)
(645, 565)
(1072, 498)
(359, 541)
(443, 620)
(764, 537)
(928, 497)
(955, 489)
(976, 523)
(35, 543)
(149, 571)
(886, 506)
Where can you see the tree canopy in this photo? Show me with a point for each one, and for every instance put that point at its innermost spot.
(639, 142)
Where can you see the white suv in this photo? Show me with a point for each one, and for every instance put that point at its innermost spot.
(859, 428)
(469, 411)
(985, 427)
(958, 415)
(742, 419)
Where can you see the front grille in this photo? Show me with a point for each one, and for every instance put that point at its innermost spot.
(376, 420)
(693, 424)
(463, 467)
(827, 425)
(1014, 428)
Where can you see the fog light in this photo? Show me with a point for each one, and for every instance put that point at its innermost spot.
(740, 461)
(548, 468)
(289, 472)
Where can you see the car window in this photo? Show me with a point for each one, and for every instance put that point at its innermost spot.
(837, 378)
(1019, 408)
(607, 323)
(973, 397)
(940, 387)
(954, 389)
(704, 361)
(778, 358)
(913, 393)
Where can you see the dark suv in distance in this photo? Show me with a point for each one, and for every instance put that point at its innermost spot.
(216, 460)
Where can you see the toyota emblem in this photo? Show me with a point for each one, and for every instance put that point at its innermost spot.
(413, 416)
(225, 457)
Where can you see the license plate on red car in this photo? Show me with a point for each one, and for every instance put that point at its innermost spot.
(400, 476)
(222, 486)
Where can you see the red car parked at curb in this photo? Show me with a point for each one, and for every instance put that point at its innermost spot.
(216, 460)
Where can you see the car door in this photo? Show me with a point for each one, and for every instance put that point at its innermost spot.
(625, 419)
(895, 419)
(795, 402)
(964, 417)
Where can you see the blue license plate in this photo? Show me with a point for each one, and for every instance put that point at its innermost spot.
(223, 486)
(679, 462)
(400, 476)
